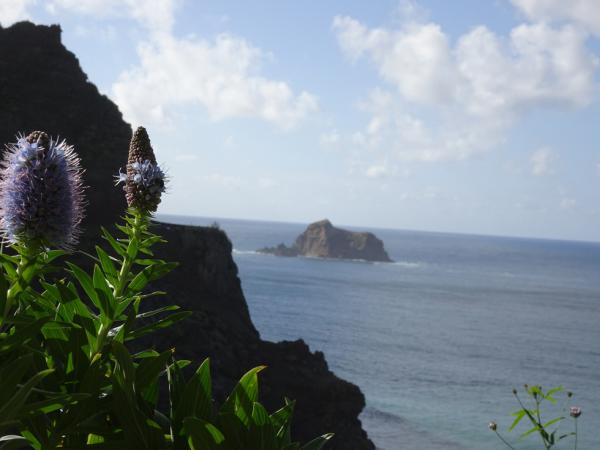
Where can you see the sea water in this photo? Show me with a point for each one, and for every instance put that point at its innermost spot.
(438, 339)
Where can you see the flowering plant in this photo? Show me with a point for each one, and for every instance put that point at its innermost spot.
(533, 413)
(67, 377)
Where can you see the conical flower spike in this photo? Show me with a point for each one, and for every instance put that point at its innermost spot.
(41, 193)
(144, 180)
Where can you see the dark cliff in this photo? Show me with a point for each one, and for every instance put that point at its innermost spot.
(322, 240)
(43, 87)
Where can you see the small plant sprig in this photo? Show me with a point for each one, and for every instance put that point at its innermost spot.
(531, 408)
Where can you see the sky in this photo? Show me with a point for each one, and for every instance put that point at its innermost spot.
(467, 116)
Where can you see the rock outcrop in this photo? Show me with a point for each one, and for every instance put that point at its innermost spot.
(43, 87)
(322, 240)
(207, 284)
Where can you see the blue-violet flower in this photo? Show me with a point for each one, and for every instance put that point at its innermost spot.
(144, 181)
(41, 192)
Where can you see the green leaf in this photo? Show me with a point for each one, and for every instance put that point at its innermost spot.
(202, 435)
(318, 443)
(553, 421)
(51, 404)
(136, 429)
(9, 409)
(107, 263)
(22, 335)
(132, 248)
(519, 415)
(87, 284)
(241, 399)
(125, 365)
(282, 420)
(11, 374)
(122, 306)
(176, 386)
(104, 293)
(532, 430)
(150, 273)
(154, 312)
(548, 395)
(51, 255)
(160, 324)
(196, 397)
(234, 429)
(149, 369)
(262, 434)
(117, 246)
(12, 442)
(291, 446)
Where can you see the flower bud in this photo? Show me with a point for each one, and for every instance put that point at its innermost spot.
(41, 193)
(144, 180)
(575, 411)
(493, 426)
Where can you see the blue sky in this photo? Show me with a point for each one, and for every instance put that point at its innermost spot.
(463, 116)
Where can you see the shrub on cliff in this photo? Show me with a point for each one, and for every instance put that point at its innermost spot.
(67, 377)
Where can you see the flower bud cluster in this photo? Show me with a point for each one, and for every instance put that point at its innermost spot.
(144, 181)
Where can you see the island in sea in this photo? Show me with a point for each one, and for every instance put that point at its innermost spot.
(322, 240)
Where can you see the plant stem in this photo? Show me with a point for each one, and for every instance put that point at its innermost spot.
(503, 440)
(27, 257)
(121, 284)
(129, 259)
(575, 433)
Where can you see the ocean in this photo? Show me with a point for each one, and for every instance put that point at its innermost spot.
(438, 339)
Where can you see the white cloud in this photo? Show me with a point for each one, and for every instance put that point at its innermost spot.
(267, 183)
(104, 33)
(395, 131)
(229, 141)
(12, 11)
(453, 101)
(377, 171)
(565, 200)
(541, 162)
(568, 203)
(220, 75)
(330, 138)
(226, 181)
(484, 73)
(186, 157)
(583, 12)
(415, 59)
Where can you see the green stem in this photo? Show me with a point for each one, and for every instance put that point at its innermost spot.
(538, 402)
(575, 433)
(503, 440)
(121, 284)
(28, 257)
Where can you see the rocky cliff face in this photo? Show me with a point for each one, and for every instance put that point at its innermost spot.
(207, 283)
(322, 240)
(43, 87)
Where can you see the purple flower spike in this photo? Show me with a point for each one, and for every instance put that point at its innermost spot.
(144, 180)
(41, 193)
